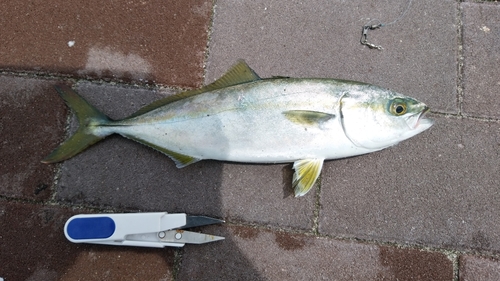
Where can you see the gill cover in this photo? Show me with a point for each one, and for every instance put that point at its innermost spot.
(377, 120)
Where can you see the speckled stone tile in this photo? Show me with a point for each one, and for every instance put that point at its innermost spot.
(481, 45)
(474, 268)
(155, 41)
(32, 121)
(118, 263)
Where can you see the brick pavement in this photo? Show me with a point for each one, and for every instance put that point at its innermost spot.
(426, 209)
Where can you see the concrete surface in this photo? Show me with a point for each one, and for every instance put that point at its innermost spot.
(426, 209)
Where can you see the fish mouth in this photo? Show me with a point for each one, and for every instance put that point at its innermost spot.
(420, 120)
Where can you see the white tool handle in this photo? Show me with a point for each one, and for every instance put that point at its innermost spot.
(113, 228)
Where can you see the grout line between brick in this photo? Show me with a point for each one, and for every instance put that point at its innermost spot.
(22, 200)
(469, 117)
(178, 254)
(55, 180)
(209, 39)
(317, 207)
(453, 256)
(460, 60)
(456, 267)
(98, 81)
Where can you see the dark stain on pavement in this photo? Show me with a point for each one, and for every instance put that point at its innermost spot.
(246, 232)
(289, 242)
(413, 264)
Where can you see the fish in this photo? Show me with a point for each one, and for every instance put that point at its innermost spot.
(242, 117)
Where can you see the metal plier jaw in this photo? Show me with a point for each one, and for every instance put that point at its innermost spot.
(156, 230)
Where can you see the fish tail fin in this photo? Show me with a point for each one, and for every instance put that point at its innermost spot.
(88, 118)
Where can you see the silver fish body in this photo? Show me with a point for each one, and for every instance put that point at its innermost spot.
(243, 118)
(249, 123)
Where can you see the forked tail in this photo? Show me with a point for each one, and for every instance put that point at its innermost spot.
(88, 117)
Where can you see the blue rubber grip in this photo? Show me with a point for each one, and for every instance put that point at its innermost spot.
(91, 228)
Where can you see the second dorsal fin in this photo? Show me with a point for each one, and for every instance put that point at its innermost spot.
(239, 73)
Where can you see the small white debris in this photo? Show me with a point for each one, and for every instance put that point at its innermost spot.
(70, 44)
(485, 29)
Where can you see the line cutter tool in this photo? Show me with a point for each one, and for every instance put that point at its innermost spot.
(156, 230)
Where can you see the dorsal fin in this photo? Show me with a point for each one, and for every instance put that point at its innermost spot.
(239, 73)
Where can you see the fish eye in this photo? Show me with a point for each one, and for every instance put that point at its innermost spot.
(398, 107)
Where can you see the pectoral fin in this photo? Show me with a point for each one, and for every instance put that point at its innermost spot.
(307, 117)
(306, 173)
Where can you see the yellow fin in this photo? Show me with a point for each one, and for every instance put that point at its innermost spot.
(307, 117)
(71, 147)
(180, 160)
(88, 117)
(238, 74)
(306, 173)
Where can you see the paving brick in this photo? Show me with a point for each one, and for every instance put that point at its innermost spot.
(122, 174)
(439, 188)
(117, 263)
(256, 254)
(32, 121)
(160, 41)
(481, 38)
(322, 39)
(33, 247)
(477, 268)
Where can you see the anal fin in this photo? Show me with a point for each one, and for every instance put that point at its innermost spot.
(306, 173)
(180, 159)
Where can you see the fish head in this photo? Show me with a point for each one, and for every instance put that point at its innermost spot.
(376, 118)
